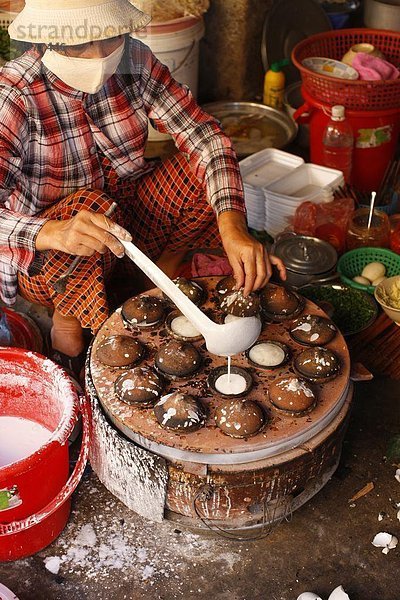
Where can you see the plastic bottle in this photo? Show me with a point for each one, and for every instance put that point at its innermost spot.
(338, 143)
(274, 85)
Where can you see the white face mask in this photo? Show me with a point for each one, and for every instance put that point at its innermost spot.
(84, 74)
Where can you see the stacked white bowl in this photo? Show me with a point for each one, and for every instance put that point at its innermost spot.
(276, 183)
(259, 171)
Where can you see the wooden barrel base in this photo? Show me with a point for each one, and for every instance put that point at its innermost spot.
(253, 495)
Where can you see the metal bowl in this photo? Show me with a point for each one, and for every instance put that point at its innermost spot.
(253, 127)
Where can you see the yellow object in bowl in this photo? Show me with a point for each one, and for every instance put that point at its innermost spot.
(365, 48)
(387, 294)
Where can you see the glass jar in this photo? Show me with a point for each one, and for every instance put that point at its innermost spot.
(395, 238)
(358, 234)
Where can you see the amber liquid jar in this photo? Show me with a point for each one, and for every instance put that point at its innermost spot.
(358, 234)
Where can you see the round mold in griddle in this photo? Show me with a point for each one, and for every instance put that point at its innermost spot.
(292, 396)
(240, 418)
(279, 304)
(181, 321)
(140, 385)
(317, 364)
(313, 330)
(193, 290)
(177, 359)
(236, 372)
(274, 354)
(120, 351)
(180, 412)
(142, 312)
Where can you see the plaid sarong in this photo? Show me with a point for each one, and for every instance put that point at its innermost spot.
(164, 209)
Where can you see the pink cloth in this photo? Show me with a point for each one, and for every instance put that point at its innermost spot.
(374, 68)
(206, 265)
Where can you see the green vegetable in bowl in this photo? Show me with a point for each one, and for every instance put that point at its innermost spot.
(353, 310)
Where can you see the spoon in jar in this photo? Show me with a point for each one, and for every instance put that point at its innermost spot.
(371, 209)
(223, 340)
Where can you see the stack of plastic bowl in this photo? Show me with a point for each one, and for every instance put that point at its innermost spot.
(260, 170)
(307, 182)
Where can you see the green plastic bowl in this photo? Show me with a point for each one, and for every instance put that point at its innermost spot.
(353, 262)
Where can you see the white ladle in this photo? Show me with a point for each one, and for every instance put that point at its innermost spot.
(224, 340)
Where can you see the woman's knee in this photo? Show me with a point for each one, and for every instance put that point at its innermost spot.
(90, 199)
(84, 199)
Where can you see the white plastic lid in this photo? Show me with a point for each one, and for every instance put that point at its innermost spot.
(338, 112)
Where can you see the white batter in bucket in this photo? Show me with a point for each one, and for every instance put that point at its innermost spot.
(19, 438)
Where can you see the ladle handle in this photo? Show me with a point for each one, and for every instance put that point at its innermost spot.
(162, 281)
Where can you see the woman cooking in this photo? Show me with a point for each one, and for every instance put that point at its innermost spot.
(74, 113)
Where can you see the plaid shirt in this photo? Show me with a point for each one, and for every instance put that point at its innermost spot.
(51, 136)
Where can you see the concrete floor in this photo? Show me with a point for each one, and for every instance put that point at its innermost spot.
(108, 552)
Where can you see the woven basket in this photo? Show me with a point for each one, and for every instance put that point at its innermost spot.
(353, 262)
(353, 94)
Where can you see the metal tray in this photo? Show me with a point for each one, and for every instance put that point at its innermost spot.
(253, 127)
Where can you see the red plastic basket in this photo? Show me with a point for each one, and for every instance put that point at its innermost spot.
(356, 95)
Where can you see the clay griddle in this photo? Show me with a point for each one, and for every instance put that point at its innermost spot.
(141, 425)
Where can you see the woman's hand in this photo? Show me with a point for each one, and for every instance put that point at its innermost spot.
(251, 264)
(83, 235)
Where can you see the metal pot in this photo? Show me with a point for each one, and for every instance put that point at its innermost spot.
(253, 127)
(382, 15)
(307, 259)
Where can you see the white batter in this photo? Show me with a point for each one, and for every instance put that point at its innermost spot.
(183, 327)
(267, 355)
(231, 383)
(19, 438)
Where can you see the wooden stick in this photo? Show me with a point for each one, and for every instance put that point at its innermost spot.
(363, 492)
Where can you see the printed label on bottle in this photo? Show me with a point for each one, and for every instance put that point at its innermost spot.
(372, 138)
(9, 498)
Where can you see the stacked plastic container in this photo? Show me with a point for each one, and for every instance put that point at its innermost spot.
(276, 183)
(259, 171)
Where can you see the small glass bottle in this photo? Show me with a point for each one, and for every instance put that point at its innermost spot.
(376, 236)
(338, 143)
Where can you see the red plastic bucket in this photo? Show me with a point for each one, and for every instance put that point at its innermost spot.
(35, 491)
(376, 133)
(25, 333)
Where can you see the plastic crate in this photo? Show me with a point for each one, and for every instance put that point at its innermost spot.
(356, 95)
(353, 262)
